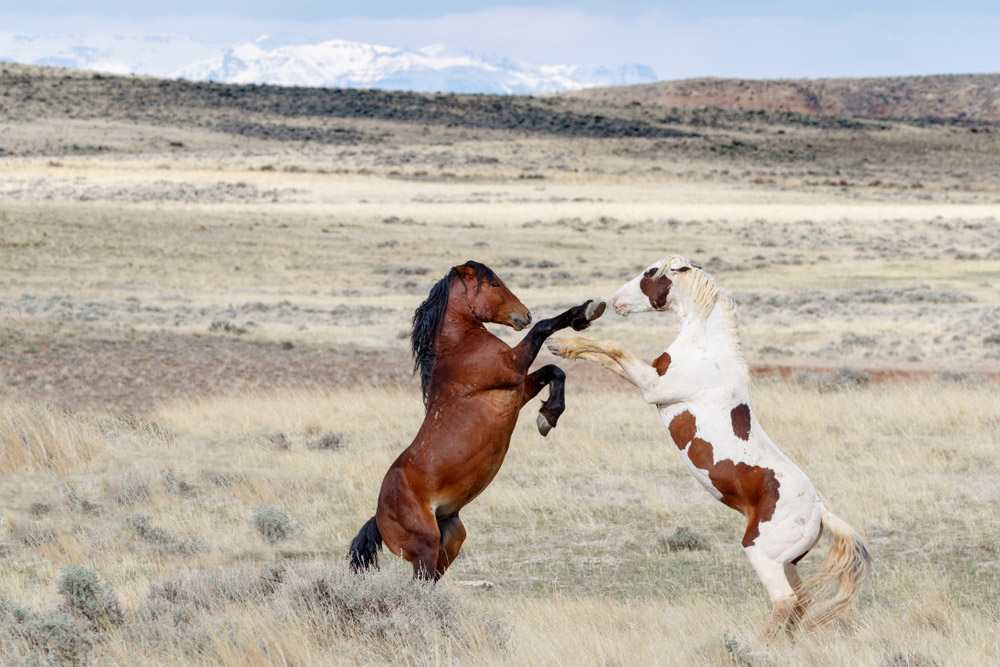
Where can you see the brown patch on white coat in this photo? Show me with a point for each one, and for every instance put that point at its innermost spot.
(749, 489)
(662, 364)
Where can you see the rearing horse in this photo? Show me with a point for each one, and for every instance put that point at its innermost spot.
(474, 386)
(700, 385)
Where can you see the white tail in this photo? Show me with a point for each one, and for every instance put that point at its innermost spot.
(846, 569)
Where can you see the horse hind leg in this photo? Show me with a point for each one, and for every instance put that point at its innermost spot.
(452, 536)
(802, 598)
(410, 530)
(784, 601)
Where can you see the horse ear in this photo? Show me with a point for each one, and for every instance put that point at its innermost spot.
(465, 271)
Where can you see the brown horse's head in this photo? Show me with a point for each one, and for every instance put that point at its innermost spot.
(488, 299)
(471, 286)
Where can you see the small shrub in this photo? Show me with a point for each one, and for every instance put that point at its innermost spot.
(742, 654)
(141, 525)
(271, 441)
(207, 589)
(844, 379)
(397, 614)
(329, 440)
(272, 523)
(684, 538)
(86, 597)
(37, 534)
(72, 499)
(134, 489)
(852, 377)
(40, 509)
(226, 479)
(170, 481)
(58, 638)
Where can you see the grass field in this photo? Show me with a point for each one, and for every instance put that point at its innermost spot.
(575, 533)
(204, 373)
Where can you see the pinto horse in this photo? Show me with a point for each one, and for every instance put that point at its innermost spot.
(700, 385)
(474, 386)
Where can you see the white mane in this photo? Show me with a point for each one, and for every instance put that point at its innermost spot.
(703, 296)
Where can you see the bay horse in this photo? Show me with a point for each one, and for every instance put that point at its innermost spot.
(700, 386)
(474, 386)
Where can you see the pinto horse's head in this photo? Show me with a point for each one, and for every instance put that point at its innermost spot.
(488, 299)
(655, 288)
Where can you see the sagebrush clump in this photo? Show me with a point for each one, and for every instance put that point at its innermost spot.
(272, 523)
(141, 525)
(685, 538)
(328, 441)
(84, 596)
(49, 637)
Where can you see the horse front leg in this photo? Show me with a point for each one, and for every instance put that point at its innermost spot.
(615, 358)
(552, 407)
(577, 317)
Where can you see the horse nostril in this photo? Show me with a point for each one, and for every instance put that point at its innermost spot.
(527, 317)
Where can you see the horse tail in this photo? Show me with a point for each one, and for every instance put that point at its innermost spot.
(363, 553)
(847, 567)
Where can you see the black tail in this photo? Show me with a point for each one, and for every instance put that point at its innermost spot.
(365, 547)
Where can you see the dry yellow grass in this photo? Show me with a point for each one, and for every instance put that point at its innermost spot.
(570, 532)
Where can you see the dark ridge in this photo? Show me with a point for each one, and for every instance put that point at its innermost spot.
(32, 92)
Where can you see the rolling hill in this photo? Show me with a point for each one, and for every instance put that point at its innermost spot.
(973, 97)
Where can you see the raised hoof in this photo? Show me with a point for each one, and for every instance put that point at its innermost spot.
(543, 425)
(554, 347)
(594, 310)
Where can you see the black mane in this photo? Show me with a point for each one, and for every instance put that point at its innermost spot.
(428, 318)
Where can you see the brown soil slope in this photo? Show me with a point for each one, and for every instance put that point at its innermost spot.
(974, 97)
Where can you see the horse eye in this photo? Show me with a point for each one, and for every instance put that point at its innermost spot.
(650, 273)
(496, 284)
(682, 269)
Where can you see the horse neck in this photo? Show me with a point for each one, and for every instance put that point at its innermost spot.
(458, 324)
(715, 334)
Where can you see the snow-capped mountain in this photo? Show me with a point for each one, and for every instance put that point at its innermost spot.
(335, 63)
(112, 52)
(344, 64)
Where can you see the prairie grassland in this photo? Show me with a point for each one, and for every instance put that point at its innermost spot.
(573, 533)
(204, 373)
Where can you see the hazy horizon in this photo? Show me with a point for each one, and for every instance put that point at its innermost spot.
(678, 40)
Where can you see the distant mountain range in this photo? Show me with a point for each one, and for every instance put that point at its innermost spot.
(334, 63)
(343, 64)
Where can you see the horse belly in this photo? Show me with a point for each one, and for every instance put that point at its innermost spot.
(703, 478)
(466, 454)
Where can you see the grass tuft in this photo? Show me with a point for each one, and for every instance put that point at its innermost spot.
(685, 538)
(330, 440)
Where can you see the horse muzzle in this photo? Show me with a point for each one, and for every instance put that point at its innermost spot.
(518, 322)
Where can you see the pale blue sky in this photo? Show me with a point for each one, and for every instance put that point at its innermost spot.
(764, 39)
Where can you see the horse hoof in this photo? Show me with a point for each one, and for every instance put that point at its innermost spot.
(553, 346)
(594, 310)
(543, 425)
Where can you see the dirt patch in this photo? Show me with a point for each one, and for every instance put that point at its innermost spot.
(134, 376)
